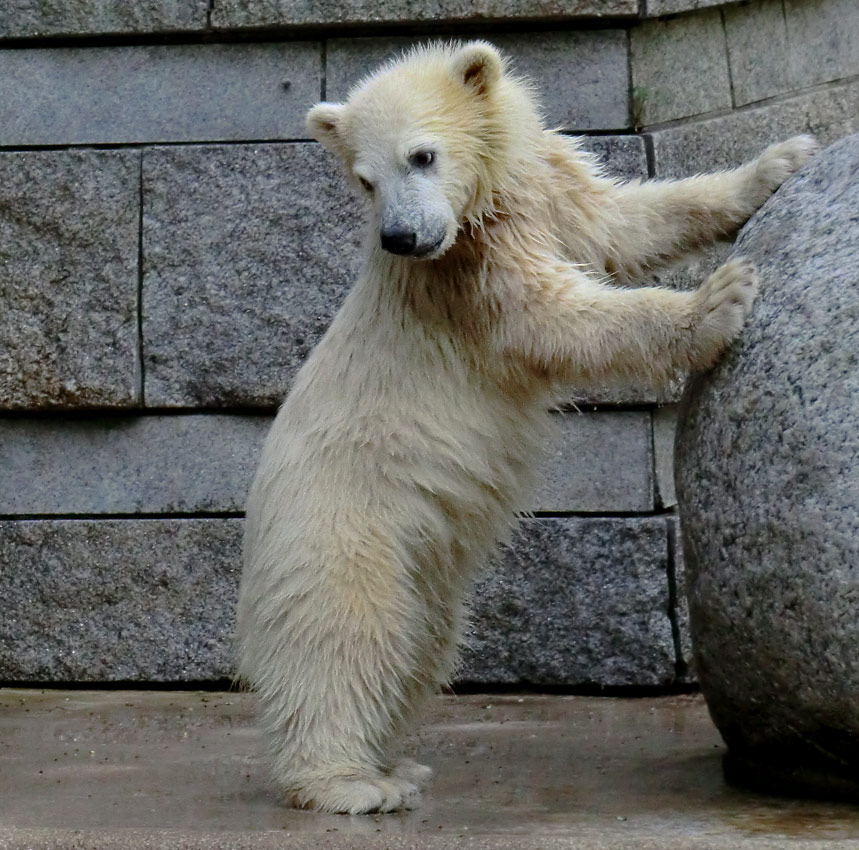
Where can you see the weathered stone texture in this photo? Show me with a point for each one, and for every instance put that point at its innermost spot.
(602, 462)
(824, 40)
(768, 486)
(68, 279)
(28, 18)
(574, 601)
(679, 68)
(655, 8)
(166, 93)
(758, 50)
(128, 465)
(730, 140)
(622, 156)
(230, 14)
(119, 600)
(249, 251)
(581, 76)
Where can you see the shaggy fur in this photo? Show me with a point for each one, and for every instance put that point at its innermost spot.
(408, 441)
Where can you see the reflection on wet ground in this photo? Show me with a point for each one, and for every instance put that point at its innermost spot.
(512, 765)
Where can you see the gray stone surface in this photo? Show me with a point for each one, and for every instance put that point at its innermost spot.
(758, 50)
(128, 465)
(824, 40)
(29, 18)
(249, 250)
(664, 425)
(724, 142)
(575, 601)
(602, 463)
(68, 279)
(165, 93)
(623, 156)
(768, 485)
(136, 600)
(581, 76)
(654, 8)
(243, 14)
(679, 68)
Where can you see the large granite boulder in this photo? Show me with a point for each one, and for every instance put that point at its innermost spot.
(767, 474)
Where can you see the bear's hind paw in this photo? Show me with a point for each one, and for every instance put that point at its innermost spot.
(357, 795)
(409, 771)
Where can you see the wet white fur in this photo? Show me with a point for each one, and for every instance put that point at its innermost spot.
(408, 441)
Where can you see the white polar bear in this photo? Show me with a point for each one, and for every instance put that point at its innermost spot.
(410, 435)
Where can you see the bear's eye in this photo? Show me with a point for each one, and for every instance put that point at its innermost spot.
(365, 184)
(423, 159)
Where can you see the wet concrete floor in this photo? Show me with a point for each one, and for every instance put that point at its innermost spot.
(80, 768)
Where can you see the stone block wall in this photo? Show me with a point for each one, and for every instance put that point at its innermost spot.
(172, 246)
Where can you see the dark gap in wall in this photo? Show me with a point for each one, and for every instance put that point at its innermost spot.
(601, 514)
(209, 12)
(90, 414)
(323, 94)
(228, 686)
(214, 685)
(89, 517)
(141, 364)
(585, 689)
(109, 146)
(681, 668)
(310, 32)
(650, 153)
(728, 57)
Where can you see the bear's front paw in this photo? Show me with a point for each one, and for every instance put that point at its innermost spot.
(722, 304)
(357, 794)
(780, 161)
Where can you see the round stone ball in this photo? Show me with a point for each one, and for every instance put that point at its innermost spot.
(767, 474)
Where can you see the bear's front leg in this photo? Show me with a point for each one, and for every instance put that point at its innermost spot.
(578, 329)
(660, 221)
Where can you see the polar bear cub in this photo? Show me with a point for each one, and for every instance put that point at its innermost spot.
(496, 259)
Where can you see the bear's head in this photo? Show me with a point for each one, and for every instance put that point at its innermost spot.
(428, 139)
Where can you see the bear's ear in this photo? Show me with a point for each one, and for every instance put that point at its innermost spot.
(478, 64)
(323, 125)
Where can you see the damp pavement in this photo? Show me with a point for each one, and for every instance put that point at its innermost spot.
(164, 770)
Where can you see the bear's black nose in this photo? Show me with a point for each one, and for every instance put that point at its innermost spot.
(398, 241)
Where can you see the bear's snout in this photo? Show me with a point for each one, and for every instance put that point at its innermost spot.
(399, 240)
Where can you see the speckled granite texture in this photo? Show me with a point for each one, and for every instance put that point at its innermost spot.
(768, 486)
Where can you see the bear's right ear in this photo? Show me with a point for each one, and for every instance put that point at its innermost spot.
(479, 65)
(323, 122)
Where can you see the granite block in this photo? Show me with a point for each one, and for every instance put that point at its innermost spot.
(655, 8)
(624, 157)
(679, 68)
(767, 462)
(40, 18)
(729, 140)
(69, 223)
(128, 465)
(758, 50)
(580, 76)
(575, 601)
(118, 600)
(824, 40)
(163, 93)
(251, 14)
(601, 463)
(248, 253)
